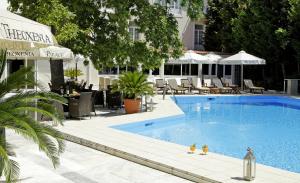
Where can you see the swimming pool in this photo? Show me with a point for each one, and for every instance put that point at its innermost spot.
(270, 125)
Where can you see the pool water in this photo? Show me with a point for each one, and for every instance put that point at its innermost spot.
(270, 125)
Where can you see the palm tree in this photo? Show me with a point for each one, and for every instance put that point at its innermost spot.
(15, 115)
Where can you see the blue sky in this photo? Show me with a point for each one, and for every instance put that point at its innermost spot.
(3, 4)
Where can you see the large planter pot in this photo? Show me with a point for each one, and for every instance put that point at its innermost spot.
(132, 105)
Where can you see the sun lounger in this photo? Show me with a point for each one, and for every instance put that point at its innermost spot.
(185, 83)
(253, 89)
(159, 85)
(212, 88)
(217, 82)
(207, 83)
(172, 83)
(228, 83)
(197, 85)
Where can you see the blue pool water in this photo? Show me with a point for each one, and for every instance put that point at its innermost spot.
(270, 125)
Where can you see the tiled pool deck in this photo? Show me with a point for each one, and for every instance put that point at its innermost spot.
(161, 155)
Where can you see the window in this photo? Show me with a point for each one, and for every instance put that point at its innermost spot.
(14, 65)
(108, 70)
(227, 69)
(185, 69)
(172, 69)
(134, 33)
(155, 71)
(205, 69)
(199, 37)
(194, 69)
(174, 5)
(161, 2)
(213, 69)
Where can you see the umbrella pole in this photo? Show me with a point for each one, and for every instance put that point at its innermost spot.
(26, 74)
(36, 80)
(181, 70)
(242, 77)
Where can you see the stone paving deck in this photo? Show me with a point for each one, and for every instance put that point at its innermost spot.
(168, 157)
(80, 164)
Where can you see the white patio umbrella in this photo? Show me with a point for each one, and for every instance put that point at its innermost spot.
(242, 58)
(190, 57)
(213, 58)
(20, 33)
(27, 39)
(17, 32)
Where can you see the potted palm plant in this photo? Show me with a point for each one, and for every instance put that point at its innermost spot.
(133, 85)
(73, 73)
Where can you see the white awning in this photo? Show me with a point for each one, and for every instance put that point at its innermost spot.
(242, 58)
(56, 53)
(17, 32)
(50, 52)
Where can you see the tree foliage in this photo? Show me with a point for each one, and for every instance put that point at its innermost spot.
(294, 27)
(99, 29)
(266, 28)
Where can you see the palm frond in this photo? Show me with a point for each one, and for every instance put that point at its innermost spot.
(17, 80)
(10, 167)
(133, 85)
(15, 114)
(48, 139)
(2, 61)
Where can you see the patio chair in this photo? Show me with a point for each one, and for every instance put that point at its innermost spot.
(59, 108)
(82, 87)
(81, 107)
(90, 87)
(93, 109)
(223, 81)
(197, 85)
(217, 82)
(172, 83)
(113, 100)
(253, 89)
(99, 98)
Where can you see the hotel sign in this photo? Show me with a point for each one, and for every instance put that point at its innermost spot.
(50, 54)
(21, 54)
(7, 32)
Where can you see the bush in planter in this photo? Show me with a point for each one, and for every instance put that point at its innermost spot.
(133, 85)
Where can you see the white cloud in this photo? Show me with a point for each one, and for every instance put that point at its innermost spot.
(3, 4)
